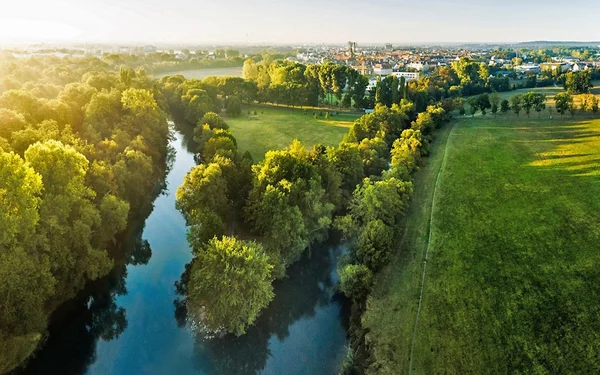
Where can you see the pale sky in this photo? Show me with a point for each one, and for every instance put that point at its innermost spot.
(297, 21)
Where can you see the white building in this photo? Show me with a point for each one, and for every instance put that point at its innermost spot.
(528, 68)
(382, 69)
(419, 66)
(408, 76)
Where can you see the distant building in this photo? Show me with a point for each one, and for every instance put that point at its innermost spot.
(423, 67)
(382, 69)
(149, 49)
(352, 49)
(579, 66)
(408, 76)
(564, 67)
(528, 68)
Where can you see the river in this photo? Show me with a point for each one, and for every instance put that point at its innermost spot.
(130, 322)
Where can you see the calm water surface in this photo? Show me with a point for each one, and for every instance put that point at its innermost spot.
(129, 323)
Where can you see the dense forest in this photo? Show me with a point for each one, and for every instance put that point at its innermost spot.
(83, 150)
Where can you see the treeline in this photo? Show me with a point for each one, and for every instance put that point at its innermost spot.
(563, 103)
(82, 150)
(248, 223)
(295, 84)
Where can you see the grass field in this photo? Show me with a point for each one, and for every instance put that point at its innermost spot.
(512, 280)
(275, 127)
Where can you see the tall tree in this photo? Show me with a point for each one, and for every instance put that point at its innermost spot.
(229, 284)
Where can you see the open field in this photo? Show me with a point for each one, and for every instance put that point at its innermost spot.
(512, 280)
(275, 127)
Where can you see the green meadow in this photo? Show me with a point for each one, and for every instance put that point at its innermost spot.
(275, 127)
(507, 212)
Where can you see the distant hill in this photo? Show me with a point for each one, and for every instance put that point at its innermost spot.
(551, 43)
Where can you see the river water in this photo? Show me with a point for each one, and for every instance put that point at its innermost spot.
(130, 322)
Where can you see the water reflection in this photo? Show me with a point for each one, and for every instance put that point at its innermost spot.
(92, 315)
(310, 288)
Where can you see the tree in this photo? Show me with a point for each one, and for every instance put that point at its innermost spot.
(229, 284)
(483, 103)
(528, 102)
(394, 86)
(374, 211)
(473, 105)
(504, 106)
(516, 103)
(288, 205)
(10, 122)
(203, 201)
(27, 282)
(374, 244)
(539, 102)
(250, 70)
(578, 82)
(495, 102)
(378, 91)
(356, 281)
(563, 102)
(234, 107)
(213, 120)
(374, 153)
(68, 217)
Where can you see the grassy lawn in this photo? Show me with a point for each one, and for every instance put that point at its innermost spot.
(275, 127)
(513, 279)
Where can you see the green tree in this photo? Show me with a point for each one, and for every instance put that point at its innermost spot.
(68, 217)
(234, 107)
(516, 103)
(213, 120)
(578, 82)
(203, 201)
(495, 103)
(563, 102)
(504, 106)
(229, 284)
(27, 283)
(356, 281)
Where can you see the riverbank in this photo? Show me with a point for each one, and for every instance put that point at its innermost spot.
(389, 319)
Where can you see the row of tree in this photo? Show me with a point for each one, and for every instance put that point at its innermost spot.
(563, 103)
(75, 164)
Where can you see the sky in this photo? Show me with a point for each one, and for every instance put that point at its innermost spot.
(297, 21)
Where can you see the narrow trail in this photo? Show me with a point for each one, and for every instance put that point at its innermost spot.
(435, 188)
